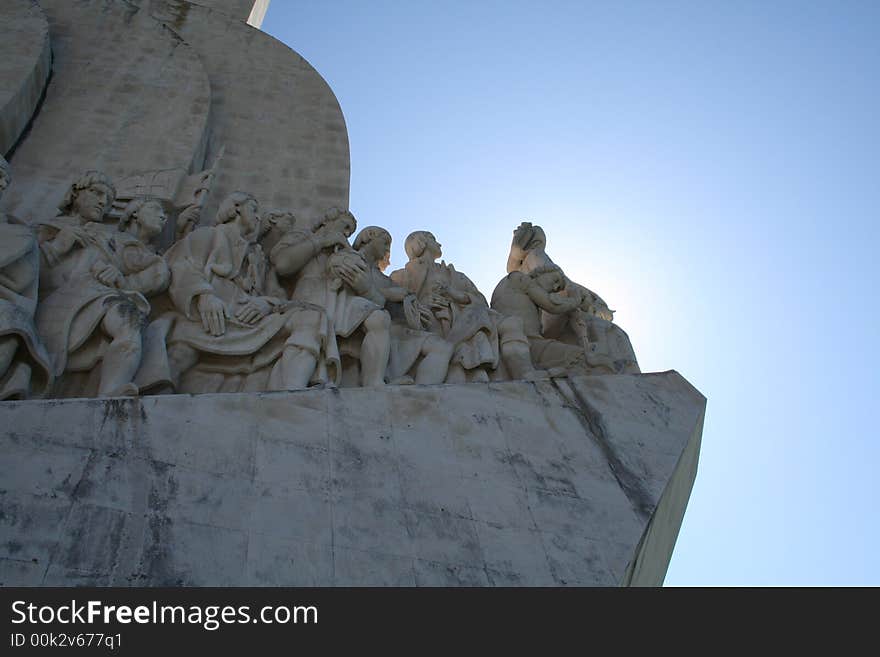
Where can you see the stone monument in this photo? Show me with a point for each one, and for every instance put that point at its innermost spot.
(197, 390)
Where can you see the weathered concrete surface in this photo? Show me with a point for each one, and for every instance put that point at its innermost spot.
(564, 482)
(155, 85)
(127, 96)
(25, 64)
(275, 119)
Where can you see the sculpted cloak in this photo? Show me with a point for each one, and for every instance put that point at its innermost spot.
(218, 260)
(345, 311)
(30, 372)
(471, 327)
(74, 302)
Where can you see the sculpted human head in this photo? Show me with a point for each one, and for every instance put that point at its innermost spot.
(241, 207)
(336, 220)
(90, 197)
(282, 221)
(420, 244)
(549, 278)
(375, 243)
(147, 215)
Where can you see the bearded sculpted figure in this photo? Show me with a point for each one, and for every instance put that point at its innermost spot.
(461, 316)
(417, 355)
(25, 366)
(321, 269)
(94, 283)
(589, 325)
(233, 328)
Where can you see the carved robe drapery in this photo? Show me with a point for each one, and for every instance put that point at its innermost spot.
(470, 327)
(345, 311)
(74, 301)
(30, 373)
(219, 261)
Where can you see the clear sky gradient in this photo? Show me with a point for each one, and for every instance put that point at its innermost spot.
(710, 169)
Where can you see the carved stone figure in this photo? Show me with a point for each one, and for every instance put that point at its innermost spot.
(460, 314)
(590, 324)
(324, 271)
(232, 321)
(94, 282)
(413, 349)
(25, 367)
(524, 296)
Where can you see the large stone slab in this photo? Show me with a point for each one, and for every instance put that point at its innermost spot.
(127, 96)
(565, 482)
(275, 120)
(25, 64)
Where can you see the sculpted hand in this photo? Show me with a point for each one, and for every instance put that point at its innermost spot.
(437, 301)
(523, 235)
(253, 311)
(63, 242)
(213, 314)
(110, 276)
(425, 315)
(355, 277)
(188, 219)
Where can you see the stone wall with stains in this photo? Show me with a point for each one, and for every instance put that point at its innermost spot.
(578, 481)
(166, 85)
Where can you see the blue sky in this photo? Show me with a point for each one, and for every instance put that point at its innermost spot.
(712, 169)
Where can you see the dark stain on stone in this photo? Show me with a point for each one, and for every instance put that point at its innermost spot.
(639, 497)
(159, 499)
(117, 410)
(157, 564)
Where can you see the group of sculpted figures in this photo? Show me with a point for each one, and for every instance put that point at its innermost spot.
(90, 307)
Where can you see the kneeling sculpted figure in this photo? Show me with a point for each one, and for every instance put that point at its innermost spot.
(460, 314)
(524, 296)
(25, 367)
(232, 317)
(589, 325)
(94, 282)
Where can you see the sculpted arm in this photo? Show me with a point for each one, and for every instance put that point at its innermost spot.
(295, 250)
(552, 303)
(521, 237)
(150, 273)
(55, 243)
(395, 293)
(290, 254)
